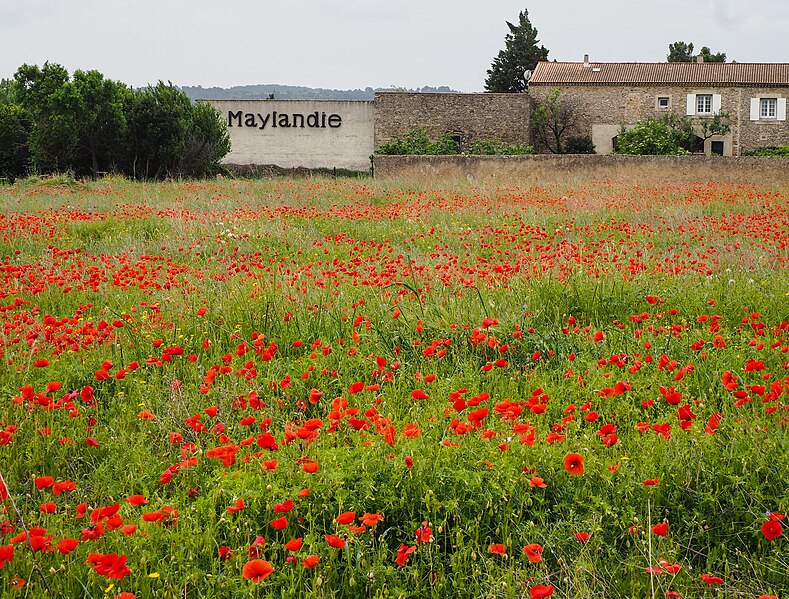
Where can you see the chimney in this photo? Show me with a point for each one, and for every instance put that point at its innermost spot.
(700, 58)
(586, 61)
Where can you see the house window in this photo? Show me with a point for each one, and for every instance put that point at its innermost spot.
(767, 108)
(663, 102)
(703, 103)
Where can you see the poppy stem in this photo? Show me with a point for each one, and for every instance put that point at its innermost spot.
(649, 532)
(36, 565)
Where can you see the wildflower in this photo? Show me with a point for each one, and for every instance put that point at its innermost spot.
(257, 570)
(574, 463)
(772, 529)
(660, 529)
(335, 541)
(533, 552)
(402, 554)
(424, 534)
(345, 518)
(541, 591)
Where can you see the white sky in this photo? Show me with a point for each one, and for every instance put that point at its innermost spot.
(348, 44)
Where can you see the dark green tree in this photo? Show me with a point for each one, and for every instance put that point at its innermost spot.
(682, 52)
(708, 56)
(207, 141)
(168, 136)
(157, 119)
(45, 96)
(14, 132)
(511, 69)
(97, 104)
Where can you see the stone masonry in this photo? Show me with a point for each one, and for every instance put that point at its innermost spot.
(468, 117)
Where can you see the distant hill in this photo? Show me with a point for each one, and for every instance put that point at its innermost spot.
(292, 92)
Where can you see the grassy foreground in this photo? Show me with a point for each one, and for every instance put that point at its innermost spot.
(322, 388)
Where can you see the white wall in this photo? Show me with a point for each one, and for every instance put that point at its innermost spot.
(322, 134)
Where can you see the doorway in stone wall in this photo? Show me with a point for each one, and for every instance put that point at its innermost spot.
(716, 148)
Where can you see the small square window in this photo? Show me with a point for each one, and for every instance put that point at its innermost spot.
(767, 108)
(704, 104)
(663, 102)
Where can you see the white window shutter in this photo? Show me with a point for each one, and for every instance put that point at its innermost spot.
(691, 105)
(716, 103)
(755, 107)
(781, 109)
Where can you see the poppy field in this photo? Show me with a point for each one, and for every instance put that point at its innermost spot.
(354, 388)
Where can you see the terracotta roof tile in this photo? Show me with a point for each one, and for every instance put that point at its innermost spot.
(646, 73)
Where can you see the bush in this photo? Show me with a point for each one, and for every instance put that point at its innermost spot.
(772, 151)
(579, 144)
(417, 142)
(494, 147)
(651, 137)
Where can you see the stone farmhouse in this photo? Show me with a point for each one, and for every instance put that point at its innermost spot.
(606, 95)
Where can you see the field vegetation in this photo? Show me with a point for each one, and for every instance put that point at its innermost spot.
(328, 388)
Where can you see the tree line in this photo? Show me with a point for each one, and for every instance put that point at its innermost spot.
(89, 125)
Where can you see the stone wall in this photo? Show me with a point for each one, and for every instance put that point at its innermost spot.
(298, 134)
(471, 117)
(601, 110)
(575, 169)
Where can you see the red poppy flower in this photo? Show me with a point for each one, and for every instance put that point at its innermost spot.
(284, 507)
(574, 463)
(239, 505)
(345, 518)
(371, 520)
(660, 529)
(537, 481)
(311, 561)
(534, 552)
(279, 523)
(541, 591)
(42, 482)
(257, 570)
(294, 544)
(402, 554)
(335, 541)
(582, 537)
(66, 546)
(136, 500)
(497, 549)
(711, 579)
(772, 529)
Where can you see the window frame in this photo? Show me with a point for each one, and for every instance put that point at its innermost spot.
(658, 104)
(704, 104)
(765, 106)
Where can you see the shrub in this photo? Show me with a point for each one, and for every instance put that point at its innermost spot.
(772, 151)
(579, 144)
(650, 137)
(494, 147)
(417, 142)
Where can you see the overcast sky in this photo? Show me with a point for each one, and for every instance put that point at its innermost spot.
(348, 44)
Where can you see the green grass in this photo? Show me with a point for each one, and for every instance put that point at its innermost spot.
(368, 276)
